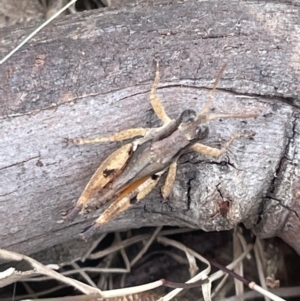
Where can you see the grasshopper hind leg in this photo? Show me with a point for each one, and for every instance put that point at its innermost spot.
(131, 195)
(111, 167)
(72, 213)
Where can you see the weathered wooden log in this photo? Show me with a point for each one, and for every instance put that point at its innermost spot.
(89, 74)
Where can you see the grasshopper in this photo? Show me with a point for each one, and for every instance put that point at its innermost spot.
(133, 170)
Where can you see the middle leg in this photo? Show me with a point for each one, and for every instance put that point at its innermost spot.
(119, 136)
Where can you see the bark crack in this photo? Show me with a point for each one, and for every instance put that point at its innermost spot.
(286, 100)
(189, 189)
(279, 202)
(20, 162)
(8, 193)
(71, 101)
(274, 183)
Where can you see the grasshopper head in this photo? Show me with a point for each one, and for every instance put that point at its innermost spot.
(191, 125)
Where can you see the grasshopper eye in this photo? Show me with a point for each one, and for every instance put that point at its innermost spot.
(188, 115)
(201, 132)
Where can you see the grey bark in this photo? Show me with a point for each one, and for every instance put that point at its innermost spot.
(89, 74)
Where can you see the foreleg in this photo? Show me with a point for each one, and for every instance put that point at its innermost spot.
(155, 101)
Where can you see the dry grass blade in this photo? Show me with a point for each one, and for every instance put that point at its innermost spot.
(36, 31)
(219, 286)
(133, 240)
(84, 275)
(125, 259)
(264, 292)
(114, 248)
(93, 247)
(239, 269)
(134, 297)
(201, 276)
(146, 246)
(192, 264)
(132, 290)
(213, 277)
(123, 252)
(252, 285)
(88, 290)
(259, 265)
(286, 292)
(44, 270)
(10, 276)
(37, 294)
(97, 270)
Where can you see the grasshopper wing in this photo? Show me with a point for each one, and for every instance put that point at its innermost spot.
(106, 172)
